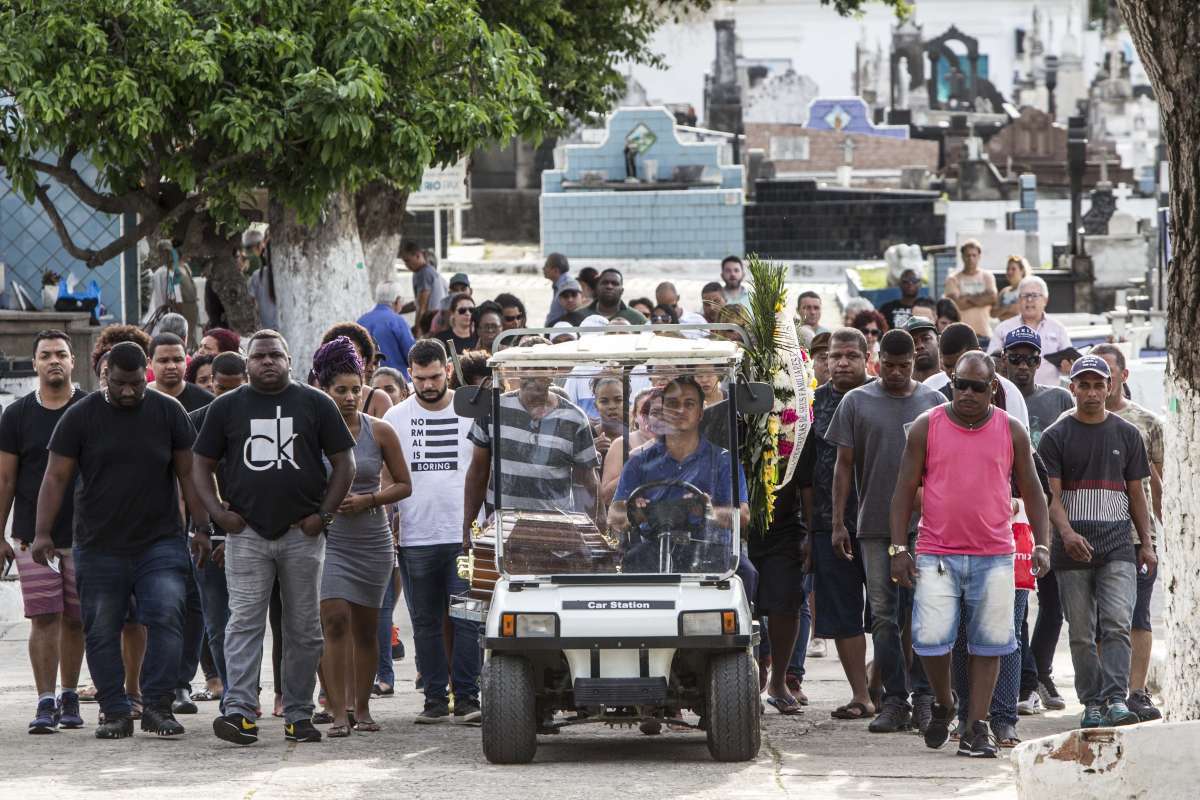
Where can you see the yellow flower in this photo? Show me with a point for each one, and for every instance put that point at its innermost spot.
(773, 425)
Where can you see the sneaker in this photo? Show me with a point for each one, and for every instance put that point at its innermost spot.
(977, 743)
(816, 648)
(937, 731)
(398, 651)
(46, 719)
(922, 712)
(1093, 717)
(68, 711)
(160, 721)
(236, 729)
(1029, 705)
(432, 714)
(895, 716)
(1141, 704)
(1051, 699)
(301, 730)
(183, 702)
(115, 728)
(467, 712)
(1117, 713)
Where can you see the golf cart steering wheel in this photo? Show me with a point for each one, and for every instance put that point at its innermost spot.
(684, 513)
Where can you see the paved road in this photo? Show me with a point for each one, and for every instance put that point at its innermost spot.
(810, 756)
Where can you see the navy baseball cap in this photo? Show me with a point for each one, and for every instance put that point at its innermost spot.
(1094, 364)
(916, 323)
(1023, 334)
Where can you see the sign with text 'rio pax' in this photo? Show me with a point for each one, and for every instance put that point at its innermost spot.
(441, 187)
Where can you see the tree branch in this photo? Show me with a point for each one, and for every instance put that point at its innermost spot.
(74, 182)
(60, 227)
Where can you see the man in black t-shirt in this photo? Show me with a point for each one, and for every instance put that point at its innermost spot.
(899, 311)
(269, 437)
(51, 603)
(169, 362)
(130, 447)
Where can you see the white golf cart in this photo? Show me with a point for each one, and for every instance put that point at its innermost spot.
(629, 614)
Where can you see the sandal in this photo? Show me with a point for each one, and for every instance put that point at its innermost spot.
(204, 695)
(854, 710)
(87, 694)
(367, 726)
(1005, 734)
(322, 718)
(785, 705)
(135, 707)
(338, 731)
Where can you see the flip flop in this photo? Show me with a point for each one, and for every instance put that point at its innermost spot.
(87, 694)
(787, 706)
(367, 727)
(853, 710)
(338, 731)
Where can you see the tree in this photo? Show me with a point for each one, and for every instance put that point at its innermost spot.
(1165, 34)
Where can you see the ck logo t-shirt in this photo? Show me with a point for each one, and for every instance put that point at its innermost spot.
(272, 445)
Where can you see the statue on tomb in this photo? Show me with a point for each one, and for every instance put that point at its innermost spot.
(631, 151)
(960, 93)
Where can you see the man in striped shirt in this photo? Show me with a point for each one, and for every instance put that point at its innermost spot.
(1097, 462)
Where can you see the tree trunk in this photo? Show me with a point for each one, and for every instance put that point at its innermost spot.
(379, 210)
(320, 276)
(210, 252)
(1167, 38)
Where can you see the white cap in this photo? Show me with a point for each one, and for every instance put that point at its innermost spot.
(562, 323)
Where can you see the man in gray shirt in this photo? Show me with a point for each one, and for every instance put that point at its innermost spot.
(429, 288)
(869, 429)
(1022, 355)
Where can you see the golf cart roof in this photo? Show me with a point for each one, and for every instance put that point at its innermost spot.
(644, 347)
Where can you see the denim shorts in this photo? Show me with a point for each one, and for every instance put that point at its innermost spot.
(981, 587)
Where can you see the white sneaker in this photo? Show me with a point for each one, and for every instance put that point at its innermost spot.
(1030, 706)
(816, 648)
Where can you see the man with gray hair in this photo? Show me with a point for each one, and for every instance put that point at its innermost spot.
(1032, 296)
(172, 323)
(390, 331)
(557, 270)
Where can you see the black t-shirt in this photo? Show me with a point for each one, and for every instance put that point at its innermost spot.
(193, 397)
(25, 431)
(127, 496)
(272, 446)
(818, 462)
(896, 313)
(461, 344)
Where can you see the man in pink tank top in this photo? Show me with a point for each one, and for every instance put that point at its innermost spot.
(963, 454)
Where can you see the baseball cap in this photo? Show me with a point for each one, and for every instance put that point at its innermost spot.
(915, 323)
(1023, 334)
(1094, 364)
(570, 286)
(820, 341)
(570, 330)
(460, 277)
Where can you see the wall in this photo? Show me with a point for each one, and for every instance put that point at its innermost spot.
(503, 215)
(827, 149)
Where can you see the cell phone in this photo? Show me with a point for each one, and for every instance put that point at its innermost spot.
(55, 563)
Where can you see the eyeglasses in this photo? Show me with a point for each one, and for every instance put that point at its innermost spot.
(1031, 295)
(872, 332)
(660, 318)
(910, 280)
(967, 385)
(516, 318)
(1016, 359)
(463, 310)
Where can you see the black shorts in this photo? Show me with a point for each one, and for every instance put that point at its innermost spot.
(840, 587)
(1141, 609)
(780, 583)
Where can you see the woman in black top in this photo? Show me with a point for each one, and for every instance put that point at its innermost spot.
(461, 333)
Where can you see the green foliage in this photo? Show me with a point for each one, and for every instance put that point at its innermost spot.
(205, 99)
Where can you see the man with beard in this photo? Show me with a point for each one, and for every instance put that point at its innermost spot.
(925, 340)
(169, 362)
(50, 600)
(434, 439)
(128, 533)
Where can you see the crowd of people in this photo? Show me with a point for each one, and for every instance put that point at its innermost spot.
(161, 523)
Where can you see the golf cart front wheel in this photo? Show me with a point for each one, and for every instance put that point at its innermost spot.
(510, 710)
(733, 708)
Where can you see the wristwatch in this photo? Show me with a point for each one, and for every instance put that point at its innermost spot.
(896, 549)
(326, 519)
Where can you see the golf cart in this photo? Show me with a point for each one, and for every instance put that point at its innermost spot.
(628, 613)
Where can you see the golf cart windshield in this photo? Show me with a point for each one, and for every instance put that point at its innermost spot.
(611, 461)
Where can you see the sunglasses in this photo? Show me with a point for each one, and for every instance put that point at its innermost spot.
(660, 318)
(1016, 359)
(517, 318)
(464, 310)
(978, 387)
(872, 332)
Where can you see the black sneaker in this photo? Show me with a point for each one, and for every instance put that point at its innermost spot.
(922, 712)
(466, 712)
(45, 719)
(115, 728)
(938, 729)
(398, 651)
(895, 716)
(977, 742)
(160, 722)
(183, 703)
(1139, 703)
(68, 711)
(432, 714)
(236, 729)
(301, 731)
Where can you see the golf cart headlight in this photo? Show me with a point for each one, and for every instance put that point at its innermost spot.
(536, 625)
(708, 623)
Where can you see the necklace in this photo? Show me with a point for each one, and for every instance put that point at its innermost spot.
(971, 425)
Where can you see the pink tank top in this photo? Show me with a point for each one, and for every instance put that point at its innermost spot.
(967, 500)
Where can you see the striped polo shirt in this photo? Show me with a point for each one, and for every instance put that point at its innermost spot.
(1094, 463)
(538, 457)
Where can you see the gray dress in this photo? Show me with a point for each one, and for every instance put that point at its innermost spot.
(358, 551)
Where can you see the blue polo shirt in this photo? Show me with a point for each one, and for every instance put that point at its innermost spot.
(707, 468)
(392, 333)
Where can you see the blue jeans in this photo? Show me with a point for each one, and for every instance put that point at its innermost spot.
(977, 589)
(193, 631)
(1098, 604)
(385, 672)
(214, 596)
(106, 581)
(430, 577)
(891, 610)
